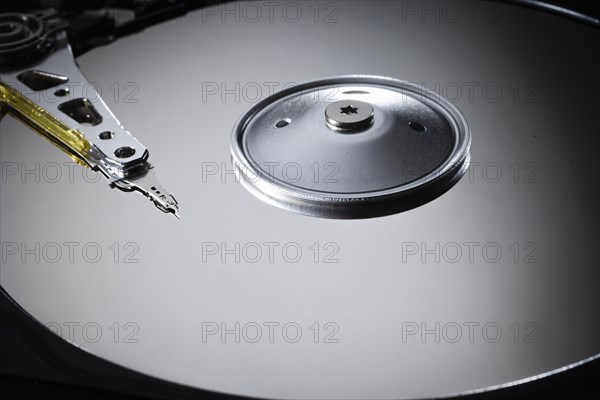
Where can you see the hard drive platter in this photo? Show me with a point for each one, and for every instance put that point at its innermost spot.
(490, 281)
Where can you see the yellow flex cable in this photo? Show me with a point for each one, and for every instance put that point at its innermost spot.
(69, 140)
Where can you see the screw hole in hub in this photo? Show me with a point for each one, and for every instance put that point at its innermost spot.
(283, 123)
(415, 126)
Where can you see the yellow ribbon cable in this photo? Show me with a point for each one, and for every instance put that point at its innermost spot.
(69, 140)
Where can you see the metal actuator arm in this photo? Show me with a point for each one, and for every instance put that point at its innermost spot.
(51, 95)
